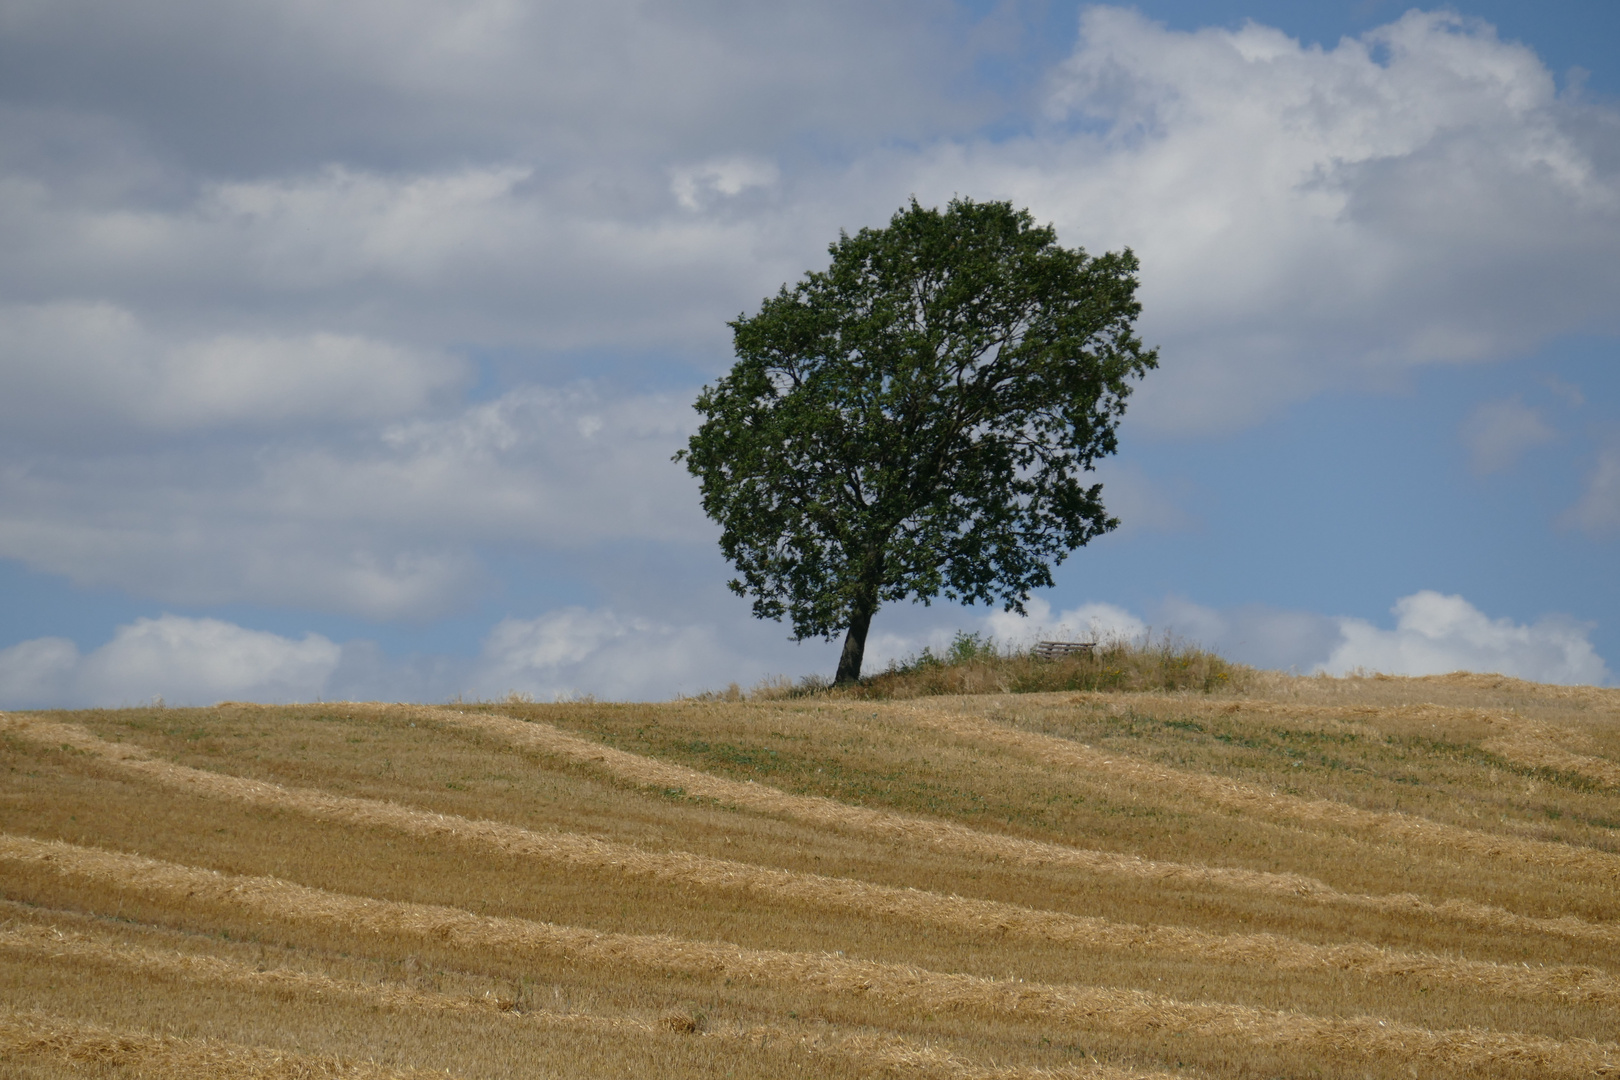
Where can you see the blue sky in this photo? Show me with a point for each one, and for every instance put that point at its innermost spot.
(343, 348)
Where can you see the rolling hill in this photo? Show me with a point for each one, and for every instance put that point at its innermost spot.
(1311, 877)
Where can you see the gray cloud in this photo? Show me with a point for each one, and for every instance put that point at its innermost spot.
(1498, 433)
(383, 523)
(82, 371)
(267, 85)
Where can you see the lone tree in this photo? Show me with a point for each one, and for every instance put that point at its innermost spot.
(914, 420)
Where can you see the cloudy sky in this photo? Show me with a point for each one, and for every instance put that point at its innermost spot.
(344, 345)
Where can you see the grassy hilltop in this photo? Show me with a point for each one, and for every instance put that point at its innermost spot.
(1251, 876)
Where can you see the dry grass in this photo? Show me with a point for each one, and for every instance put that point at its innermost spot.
(863, 899)
(976, 666)
(905, 989)
(1301, 877)
(43, 1040)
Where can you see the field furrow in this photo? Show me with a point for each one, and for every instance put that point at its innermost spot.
(77, 1046)
(869, 1052)
(546, 739)
(1542, 746)
(904, 988)
(1354, 879)
(768, 886)
(1249, 799)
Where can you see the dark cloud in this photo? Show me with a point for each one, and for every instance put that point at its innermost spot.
(270, 87)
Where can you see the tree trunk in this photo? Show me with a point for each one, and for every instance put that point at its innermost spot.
(849, 662)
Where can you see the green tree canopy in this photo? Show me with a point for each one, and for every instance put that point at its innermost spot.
(915, 420)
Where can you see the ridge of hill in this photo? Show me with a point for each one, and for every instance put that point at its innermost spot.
(1291, 877)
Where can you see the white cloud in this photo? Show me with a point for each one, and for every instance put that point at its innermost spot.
(72, 368)
(182, 660)
(562, 466)
(381, 524)
(1498, 433)
(495, 254)
(1598, 511)
(1257, 635)
(1436, 634)
(1088, 622)
(618, 655)
(563, 653)
(38, 672)
(262, 299)
(1254, 634)
(696, 185)
(1307, 218)
(885, 647)
(1313, 218)
(1433, 635)
(579, 651)
(221, 542)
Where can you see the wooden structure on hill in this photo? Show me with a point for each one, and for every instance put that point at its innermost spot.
(1053, 650)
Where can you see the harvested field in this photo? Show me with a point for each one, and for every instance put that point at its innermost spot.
(1307, 877)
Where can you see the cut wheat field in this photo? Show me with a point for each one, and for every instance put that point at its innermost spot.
(1291, 877)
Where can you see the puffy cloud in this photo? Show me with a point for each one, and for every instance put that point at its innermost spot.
(1436, 634)
(181, 660)
(1308, 218)
(71, 369)
(495, 254)
(382, 524)
(578, 651)
(562, 466)
(1433, 635)
(1498, 433)
(38, 672)
(697, 185)
(213, 541)
(1088, 622)
(619, 655)
(1311, 218)
(563, 653)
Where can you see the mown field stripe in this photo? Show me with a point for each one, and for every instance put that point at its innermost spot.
(874, 1053)
(772, 886)
(1250, 798)
(1522, 741)
(1537, 745)
(81, 1045)
(947, 836)
(903, 987)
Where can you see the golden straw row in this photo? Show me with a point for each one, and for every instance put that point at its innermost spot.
(1582, 984)
(1522, 741)
(1233, 794)
(947, 836)
(876, 1053)
(1536, 745)
(43, 1037)
(902, 987)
